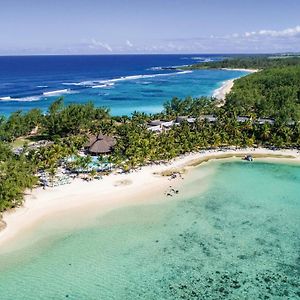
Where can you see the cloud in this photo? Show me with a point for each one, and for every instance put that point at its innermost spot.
(289, 32)
(129, 44)
(97, 44)
(258, 41)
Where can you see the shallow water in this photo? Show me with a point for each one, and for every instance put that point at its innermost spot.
(239, 239)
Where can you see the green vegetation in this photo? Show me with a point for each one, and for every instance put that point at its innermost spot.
(16, 174)
(248, 62)
(271, 93)
(62, 121)
(19, 124)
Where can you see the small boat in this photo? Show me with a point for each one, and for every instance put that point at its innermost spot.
(248, 158)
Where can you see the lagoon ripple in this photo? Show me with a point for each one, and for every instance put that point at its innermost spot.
(237, 239)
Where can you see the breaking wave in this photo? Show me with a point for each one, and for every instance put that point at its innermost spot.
(104, 84)
(57, 92)
(25, 99)
(110, 82)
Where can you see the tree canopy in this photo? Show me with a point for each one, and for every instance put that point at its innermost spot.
(273, 92)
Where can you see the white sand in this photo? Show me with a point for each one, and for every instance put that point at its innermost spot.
(243, 70)
(221, 92)
(112, 191)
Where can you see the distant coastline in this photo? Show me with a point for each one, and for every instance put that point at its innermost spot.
(240, 69)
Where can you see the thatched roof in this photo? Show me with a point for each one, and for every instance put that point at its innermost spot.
(100, 144)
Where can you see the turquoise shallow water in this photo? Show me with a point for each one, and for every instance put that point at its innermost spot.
(123, 83)
(239, 239)
(124, 95)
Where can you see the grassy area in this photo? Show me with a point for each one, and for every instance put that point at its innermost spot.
(21, 141)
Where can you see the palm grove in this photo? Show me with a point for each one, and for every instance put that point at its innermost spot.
(274, 92)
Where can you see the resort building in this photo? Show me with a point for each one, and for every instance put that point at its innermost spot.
(243, 119)
(180, 119)
(262, 121)
(159, 126)
(155, 123)
(209, 118)
(100, 144)
(167, 124)
(156, 128)
(291, 123)
(191, 120)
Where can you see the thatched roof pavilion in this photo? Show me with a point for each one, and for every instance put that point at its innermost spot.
(100, 144)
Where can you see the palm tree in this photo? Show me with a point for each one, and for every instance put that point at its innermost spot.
(265, 132)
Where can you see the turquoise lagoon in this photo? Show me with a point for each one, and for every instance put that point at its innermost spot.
(124, 95)
(233, 235)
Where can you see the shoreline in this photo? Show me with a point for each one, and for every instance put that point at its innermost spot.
(221, 92)
(116, 190)
(241, 69)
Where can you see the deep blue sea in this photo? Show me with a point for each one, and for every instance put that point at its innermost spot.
(124, 83)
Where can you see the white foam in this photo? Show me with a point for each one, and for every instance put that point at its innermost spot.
(109, 82)
(24, 99)
(101, 86)
(167, 67)
(5, 98)
(38, 97)
(197, 58)
(135, 77)
(29, 99)
(76, 83)
(56, 93)
(202, 59)
(155, 68)
(42, 86)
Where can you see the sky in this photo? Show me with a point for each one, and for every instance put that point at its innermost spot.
(148, 26)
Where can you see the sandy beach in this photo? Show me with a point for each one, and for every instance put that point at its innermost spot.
(226, 87)
(116, 190)
(242, 70)
(222, 91)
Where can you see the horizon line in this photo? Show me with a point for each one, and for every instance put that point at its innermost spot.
(120, 54)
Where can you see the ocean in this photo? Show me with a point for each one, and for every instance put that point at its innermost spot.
(123, 83)
(238, 238)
